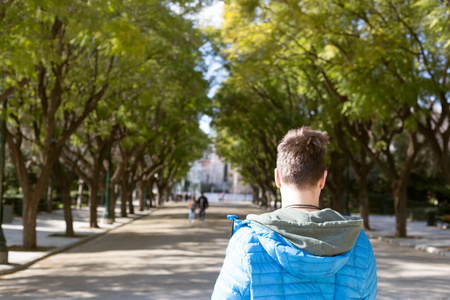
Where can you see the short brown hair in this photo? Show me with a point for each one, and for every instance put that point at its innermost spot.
(301, 156)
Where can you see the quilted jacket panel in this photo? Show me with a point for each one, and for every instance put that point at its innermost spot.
(261, 264)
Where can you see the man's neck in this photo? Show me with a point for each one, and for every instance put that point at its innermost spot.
(291, 195)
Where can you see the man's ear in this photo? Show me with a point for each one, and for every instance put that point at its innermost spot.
(323, 179)
(277, 178)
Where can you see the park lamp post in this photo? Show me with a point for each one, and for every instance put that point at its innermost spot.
(107, 216)
(3, 247)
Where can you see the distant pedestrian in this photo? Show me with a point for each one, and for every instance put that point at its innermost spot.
(192, 206)
(203, 205)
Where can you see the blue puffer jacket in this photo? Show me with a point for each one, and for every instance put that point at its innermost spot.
(262, 264)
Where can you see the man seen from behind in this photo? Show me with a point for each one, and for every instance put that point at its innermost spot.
(299, 251)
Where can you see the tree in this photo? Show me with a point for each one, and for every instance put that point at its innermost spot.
(87, 161)
(54, 55)
(362, 164)
(70, 56)
(65, 177)
(188, 146)
(431, 50)
(253, 112)
(348, 58)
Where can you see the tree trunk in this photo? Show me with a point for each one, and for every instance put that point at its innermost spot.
(364, 201)
(336, 187)
(115, 186)
(360, 166)
(29, 214)
(255, 195)
(80, 193)
(124, 195)
(400, 184)
(269, 198)
(65, 195)
(142, 196)
(67, 211)
(65, 178)
(167, 193)
(400, 205)
(277, 197)
(30, 207)
(112, 201)
(336, 181)
(93, 194)
(151, 196)
(93, 203)
(31, 195)
(438, 142)
(445, 168)
(130, 202)
(338, 200)
(31, 199)
(264, 200)
(50, 195)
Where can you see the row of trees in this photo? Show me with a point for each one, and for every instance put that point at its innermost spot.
(374, 74)
(90, 80)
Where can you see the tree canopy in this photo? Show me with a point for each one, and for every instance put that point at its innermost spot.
(371, 73)
(82, 78)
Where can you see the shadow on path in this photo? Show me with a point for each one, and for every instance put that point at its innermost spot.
(161, 256)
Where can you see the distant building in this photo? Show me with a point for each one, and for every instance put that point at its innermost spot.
(211, 174)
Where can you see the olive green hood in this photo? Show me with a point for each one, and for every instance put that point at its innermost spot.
(322, 233)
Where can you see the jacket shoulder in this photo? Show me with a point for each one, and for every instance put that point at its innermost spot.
(235, 276)
(245, 238)
(359, 278)
(365, 252)
(362, 247)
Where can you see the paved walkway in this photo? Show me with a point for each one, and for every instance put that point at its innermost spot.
(432, 239)
(162, 256)
(404, 273)
(49, 228)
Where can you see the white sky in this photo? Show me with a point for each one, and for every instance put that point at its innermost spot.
(211, 16)
(205, 124)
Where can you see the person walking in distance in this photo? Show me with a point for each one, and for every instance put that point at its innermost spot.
(203, 205)
(299, 251)
(192, 206)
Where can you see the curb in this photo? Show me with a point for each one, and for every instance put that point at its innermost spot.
(424, 248)
(64, 248)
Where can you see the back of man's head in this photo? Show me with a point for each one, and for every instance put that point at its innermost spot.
(301, 157)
